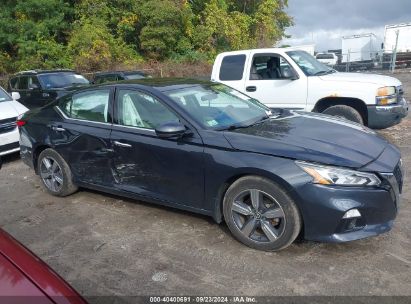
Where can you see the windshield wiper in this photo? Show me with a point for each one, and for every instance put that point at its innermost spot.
(324, 72)
(240, 126)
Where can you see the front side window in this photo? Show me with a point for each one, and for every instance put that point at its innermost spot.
(232, 67)
(218, 106)
(308, 64)
(269, 67)
(137, 109)
(61, 80)
(89, 105)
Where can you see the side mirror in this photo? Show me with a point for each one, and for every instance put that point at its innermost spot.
(15, 95)
(170, 129)
(290, 74)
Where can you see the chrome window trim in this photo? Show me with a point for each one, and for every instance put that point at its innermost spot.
(81, 120)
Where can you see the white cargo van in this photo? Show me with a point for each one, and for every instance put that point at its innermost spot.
(293, 79)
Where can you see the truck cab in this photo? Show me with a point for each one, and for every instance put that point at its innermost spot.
(294, 79)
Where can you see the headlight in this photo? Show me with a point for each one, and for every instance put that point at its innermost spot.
(386, 96)
(327, 175)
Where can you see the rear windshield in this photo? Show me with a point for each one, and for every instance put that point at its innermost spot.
(61, 80)
(4, 96)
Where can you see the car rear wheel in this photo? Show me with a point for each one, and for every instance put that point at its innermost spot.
(346, 112)
(55, 174)
(260, 214)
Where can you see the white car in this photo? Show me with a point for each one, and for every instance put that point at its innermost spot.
(294, 79)
(327, 58)
(10, 109)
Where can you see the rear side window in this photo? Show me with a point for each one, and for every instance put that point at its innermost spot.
(90, 105)
(232, 67)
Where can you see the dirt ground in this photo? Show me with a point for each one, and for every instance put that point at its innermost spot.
(107, 245)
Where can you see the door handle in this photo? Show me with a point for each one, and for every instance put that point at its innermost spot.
(58, 129)
(120, 144)
(251, 89)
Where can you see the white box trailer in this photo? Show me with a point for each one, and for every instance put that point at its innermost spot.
(360, 48)
(404, 38)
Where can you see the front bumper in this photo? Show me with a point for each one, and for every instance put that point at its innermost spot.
(324, 208)
(380, 117)
(9, 142)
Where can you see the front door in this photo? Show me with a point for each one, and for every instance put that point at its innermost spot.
(171, 170)
(270, 83)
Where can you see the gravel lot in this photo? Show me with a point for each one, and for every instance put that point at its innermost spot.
(107, 245)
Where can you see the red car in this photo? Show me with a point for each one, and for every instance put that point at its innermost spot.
(24, 278)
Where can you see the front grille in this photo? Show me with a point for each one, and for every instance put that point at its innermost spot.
(399, 176)
(7, 125)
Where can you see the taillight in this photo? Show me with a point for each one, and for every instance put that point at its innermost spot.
(20, 123)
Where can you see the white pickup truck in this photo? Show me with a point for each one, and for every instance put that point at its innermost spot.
(294, 79)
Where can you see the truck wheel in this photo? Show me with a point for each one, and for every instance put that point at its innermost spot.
(346, 112)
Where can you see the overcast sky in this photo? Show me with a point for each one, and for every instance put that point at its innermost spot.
(324, 22)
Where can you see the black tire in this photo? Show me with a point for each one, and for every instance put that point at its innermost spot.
(346, 112)
(286, 226)
(57, 180)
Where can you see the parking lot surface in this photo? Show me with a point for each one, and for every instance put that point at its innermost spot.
(107, 245)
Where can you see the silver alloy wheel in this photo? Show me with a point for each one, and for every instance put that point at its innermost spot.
(51, 174)
(258, 216)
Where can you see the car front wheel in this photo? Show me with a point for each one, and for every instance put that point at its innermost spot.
(55, 174)
(260, 214)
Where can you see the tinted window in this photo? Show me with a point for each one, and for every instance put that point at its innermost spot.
(90, 105)
(135, 76)
(106, 78)
(33, 82)
(232, 67)
(140, 110)
(61, 80)
(325, 56)
(23, 83)
(14, 83)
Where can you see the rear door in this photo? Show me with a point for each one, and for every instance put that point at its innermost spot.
(82, 137)
(171, 170)
(230, 69)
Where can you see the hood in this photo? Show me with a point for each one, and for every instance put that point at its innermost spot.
(11, 109)
(380, 80)
(310, 137)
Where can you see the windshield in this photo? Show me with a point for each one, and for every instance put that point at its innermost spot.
(4, 96)
(61, 80)
(219, 107)
(135, 76)
(308, 64)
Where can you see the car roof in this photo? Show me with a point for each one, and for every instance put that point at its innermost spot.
(161, 84)
(37, 72)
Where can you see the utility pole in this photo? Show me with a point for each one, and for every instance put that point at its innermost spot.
(394, 52)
